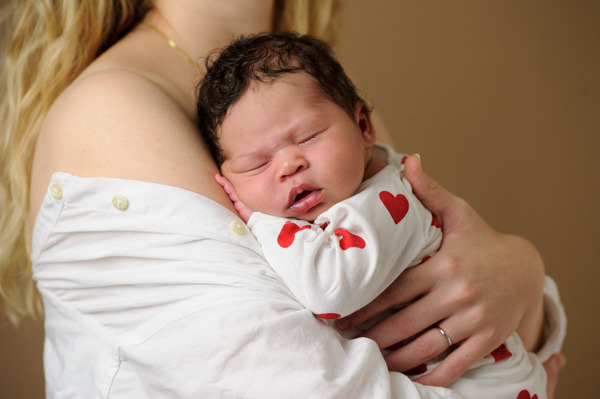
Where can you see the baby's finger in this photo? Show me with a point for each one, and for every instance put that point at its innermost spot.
(221, 180)
(227, 186)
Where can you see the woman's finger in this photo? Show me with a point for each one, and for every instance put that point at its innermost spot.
(415, 354)
(411, 320)
(458, 361)
(411, 284)
(436, 339)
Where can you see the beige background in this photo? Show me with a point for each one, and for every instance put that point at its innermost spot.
(502, 100)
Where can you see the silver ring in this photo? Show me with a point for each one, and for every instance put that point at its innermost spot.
(445, 336)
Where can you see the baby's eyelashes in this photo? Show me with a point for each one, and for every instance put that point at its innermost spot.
(310, 138)
(249, 166)
(259, 168)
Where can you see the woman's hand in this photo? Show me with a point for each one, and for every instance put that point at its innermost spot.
(479, 288)
(239, 206)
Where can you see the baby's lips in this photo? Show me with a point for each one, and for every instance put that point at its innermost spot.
(293, 194)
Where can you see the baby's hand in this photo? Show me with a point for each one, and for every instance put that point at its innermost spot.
(239, 206)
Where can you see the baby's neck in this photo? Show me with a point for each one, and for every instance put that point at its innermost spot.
(373, 167)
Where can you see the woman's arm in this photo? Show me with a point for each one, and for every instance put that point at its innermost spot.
(479, 300)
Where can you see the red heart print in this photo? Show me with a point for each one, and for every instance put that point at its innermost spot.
(420, 369)
(288, 233)
(524, 394)
(329, 316)
(435, 222)
(501, 353)
(397, 206)
(349, 240)
(425, 258)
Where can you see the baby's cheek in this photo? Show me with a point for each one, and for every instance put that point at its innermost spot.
(259, 198)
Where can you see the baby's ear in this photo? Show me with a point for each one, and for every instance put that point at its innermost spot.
(362, 117)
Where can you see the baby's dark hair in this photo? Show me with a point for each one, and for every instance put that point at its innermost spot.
(262, 58)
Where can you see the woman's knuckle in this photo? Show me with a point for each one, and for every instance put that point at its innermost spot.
(479, 315)
(451, 267)
(495, 335)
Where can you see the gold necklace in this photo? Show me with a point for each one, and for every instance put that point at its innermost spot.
(174, 46)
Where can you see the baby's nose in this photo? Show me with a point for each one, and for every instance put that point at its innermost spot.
(291, 166)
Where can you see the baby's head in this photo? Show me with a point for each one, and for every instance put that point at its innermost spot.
(285, 124)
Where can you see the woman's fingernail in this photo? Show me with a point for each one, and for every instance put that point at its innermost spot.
(419, 157)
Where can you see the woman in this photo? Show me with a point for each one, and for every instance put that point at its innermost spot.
(130, 234)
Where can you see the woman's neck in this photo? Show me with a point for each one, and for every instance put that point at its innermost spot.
(200, 26)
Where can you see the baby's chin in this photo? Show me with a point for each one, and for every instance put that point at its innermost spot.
(311, 215)
(307, 217)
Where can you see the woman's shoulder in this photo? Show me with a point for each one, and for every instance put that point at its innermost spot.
(120, 123)
(109, 121)
(105, 97)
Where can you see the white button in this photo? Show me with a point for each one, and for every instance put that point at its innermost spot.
(237, 227)
(120, 202)
(56, 191)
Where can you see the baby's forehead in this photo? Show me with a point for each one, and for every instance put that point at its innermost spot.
(277, 100)
(295, 81)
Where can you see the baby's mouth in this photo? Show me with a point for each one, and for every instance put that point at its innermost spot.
(302, 195)
(304, 198)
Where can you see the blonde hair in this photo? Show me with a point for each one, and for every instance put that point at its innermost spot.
(49, 44)
(314, 17)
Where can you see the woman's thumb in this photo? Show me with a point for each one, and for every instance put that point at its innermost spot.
(432, 195)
